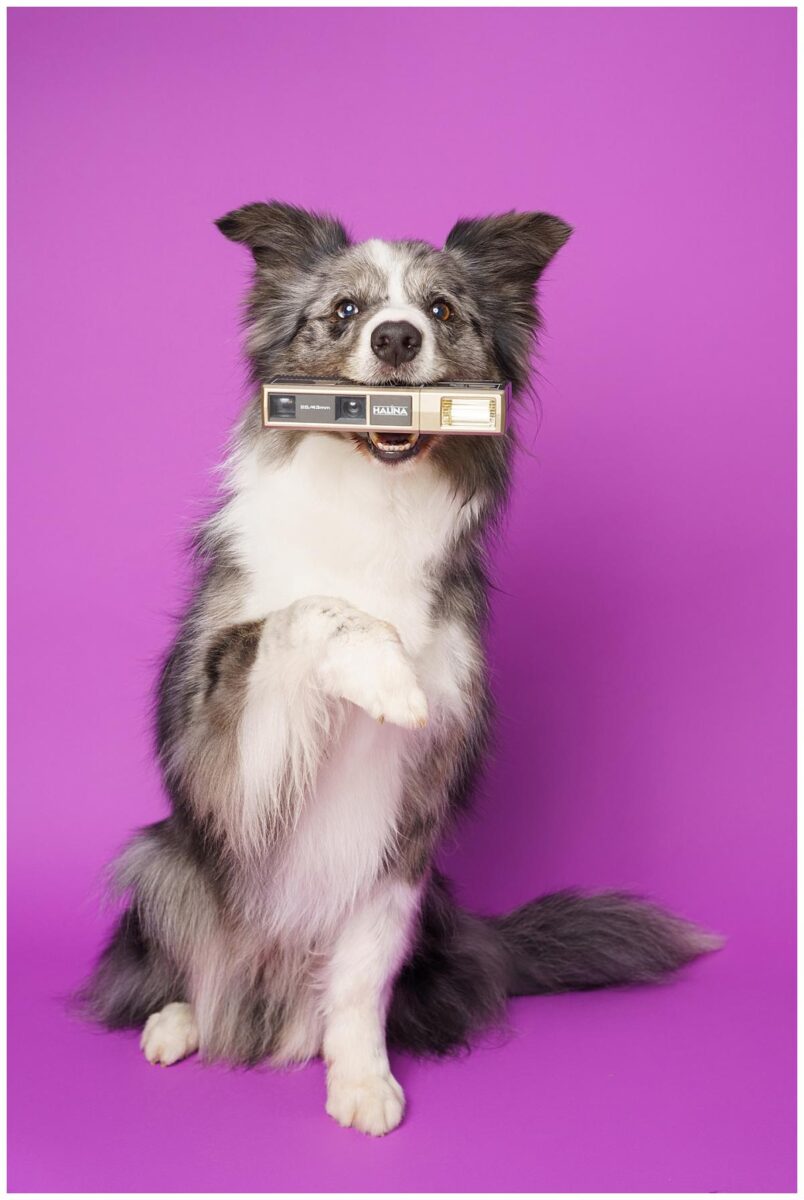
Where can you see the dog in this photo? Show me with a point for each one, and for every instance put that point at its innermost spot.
(325, 704)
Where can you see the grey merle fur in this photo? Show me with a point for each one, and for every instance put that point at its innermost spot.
(190, 883)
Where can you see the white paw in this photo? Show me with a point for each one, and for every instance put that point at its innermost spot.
(170, 1035)
(374, 1104)
(373, 670)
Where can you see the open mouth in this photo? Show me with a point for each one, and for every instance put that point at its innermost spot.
(393, 447)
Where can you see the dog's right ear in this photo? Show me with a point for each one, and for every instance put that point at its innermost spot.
(281, 236)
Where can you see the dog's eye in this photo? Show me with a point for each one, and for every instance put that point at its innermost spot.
(441, 310)
(347, 309)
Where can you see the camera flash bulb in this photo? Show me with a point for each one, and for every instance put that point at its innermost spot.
(468, 412)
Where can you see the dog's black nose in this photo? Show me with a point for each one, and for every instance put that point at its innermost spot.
(396, 342)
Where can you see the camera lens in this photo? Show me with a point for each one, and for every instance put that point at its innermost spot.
(351, 408)
(283, 406)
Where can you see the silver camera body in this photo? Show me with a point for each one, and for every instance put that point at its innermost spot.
(444, 408)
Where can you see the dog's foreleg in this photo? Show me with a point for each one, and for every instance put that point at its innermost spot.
(246, 734)
(361, 1091)
(317, 649)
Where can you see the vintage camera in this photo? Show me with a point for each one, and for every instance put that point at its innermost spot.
(438, 408)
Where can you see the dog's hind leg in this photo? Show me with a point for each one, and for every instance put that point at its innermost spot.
(132, 979)
(129, 989)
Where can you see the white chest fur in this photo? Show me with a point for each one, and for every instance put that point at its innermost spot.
(331, 522)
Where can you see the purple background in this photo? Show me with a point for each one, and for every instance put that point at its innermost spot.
(644, 627)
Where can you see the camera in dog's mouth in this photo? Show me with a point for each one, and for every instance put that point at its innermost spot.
(392, 421)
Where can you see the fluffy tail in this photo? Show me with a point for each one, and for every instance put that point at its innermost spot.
(464, 967)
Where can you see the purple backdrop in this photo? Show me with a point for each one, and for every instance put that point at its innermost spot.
(644, 623)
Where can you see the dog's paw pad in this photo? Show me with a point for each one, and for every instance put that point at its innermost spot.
(374, 1105)
(170, 1035)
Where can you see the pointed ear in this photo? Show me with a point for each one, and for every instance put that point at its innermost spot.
(282, 236)
(504, 257)
(513, 248)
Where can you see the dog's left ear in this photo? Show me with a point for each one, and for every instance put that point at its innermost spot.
(504, 257)
(510, 249)
(282, 237)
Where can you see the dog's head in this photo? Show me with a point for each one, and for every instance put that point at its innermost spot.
(393, 312)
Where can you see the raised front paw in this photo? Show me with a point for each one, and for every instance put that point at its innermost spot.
(382, 682)
(374, 1104)
(367, 664)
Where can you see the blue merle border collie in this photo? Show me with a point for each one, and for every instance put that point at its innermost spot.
(325, 704)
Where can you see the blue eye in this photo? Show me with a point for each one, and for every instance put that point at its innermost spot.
(347, 309)
(441, 310)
